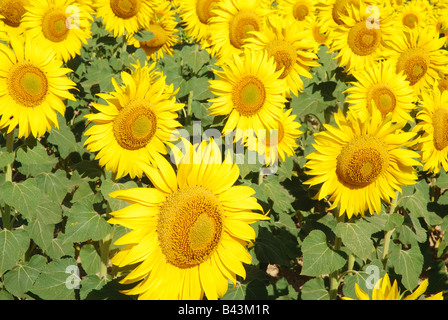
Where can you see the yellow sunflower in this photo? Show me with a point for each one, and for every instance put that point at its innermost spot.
(162, 24)
(320, 36)
(11, 12)
(231, 25)
(297, 10)
(420, 56)
(47, 21)
(384, 290)
(33, 85)
(358, 164)
(195, 15)
(136, 123)
(249, 91)
(277, 143)
(291, 47)
(123, 16)
(415, 15)
(330, 13)
(381, 88)
(189, 232)
(360, 41)
(433, 122)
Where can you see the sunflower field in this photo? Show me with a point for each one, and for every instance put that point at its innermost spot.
(224, 149)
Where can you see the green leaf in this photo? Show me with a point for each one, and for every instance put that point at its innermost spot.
(47, 211)
(41, 233)
(64, 139)
(90, 259)
(6, 158)
(281, 198)
(84, 224)
(408, 263)
(194, 57)
(356, 237)
(109, 186)
(55, 281)
(315, 289)
(13, 245)
(143, 35)
(394, 220)
(19, 280)
(24, 196)
(35, 160)
(318, 257)
(54, 185)
(90, 283)
(60, 247)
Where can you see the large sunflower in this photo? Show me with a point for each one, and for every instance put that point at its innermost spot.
(231, 25)
(46, 20)
(189, 232)
(162, 24)
(358, 164)
(121, 16)
(384, 90)
(195, 15)
(420, 56)
(137, 122)
(360, 41)
(292, 48)
(433, 123)
(249, 91)
(33, 85)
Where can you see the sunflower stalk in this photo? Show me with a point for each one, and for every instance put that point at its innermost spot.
(388, 235)
(6, 212)
(334, 276)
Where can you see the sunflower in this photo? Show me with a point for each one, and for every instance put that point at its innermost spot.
(420, 56)
(120, 16)
(415, 15)
(433, 122)
(280, 142)
(297, 10)
(231, 25)
(384, 290)
(358, 164)
(189, 232)
(381, 88)
(291, 47)
(11, 12)
(33, 85)
(330, 13)
(46, 20)
(249, 91)
(195, 15)
(136, 123)
(162, 24)
(360, 41)
(320, 37)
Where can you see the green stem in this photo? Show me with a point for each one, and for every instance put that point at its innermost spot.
(334, 276)
(104, 254)
(6, 213)
(351, 262)
(388, 235)
(334, 281)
